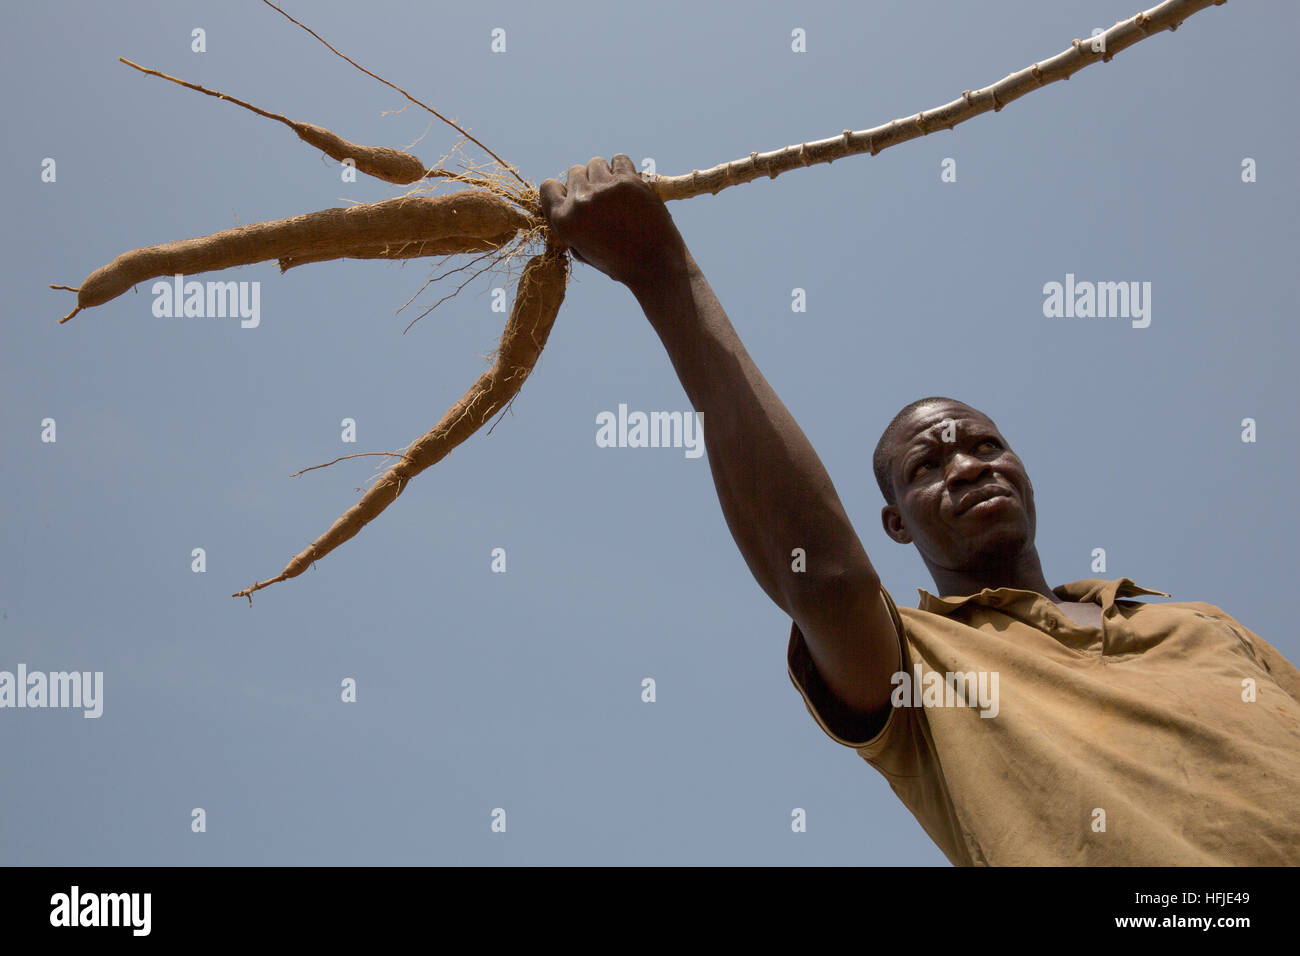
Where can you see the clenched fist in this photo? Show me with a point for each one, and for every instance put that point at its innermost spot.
(612, 220)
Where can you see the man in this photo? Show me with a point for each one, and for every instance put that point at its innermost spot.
(1021, 724)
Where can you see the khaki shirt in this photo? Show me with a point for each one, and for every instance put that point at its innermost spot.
(1169, 736)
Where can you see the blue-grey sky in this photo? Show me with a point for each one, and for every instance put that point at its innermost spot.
(479, 690)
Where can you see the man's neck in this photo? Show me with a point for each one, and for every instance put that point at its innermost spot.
(1025, 573)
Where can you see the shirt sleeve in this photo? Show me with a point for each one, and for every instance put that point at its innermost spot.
(903, 750)
(825, 708)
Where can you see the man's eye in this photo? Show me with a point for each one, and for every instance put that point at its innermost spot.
(989, 441)
(917, 470)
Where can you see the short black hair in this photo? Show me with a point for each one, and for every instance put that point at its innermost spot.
(881, 463)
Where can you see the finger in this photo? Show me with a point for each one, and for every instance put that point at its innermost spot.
(598, 170)
(622, 163)
(576, 183)
(551, 194)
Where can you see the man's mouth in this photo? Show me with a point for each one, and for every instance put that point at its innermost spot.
(976, 498)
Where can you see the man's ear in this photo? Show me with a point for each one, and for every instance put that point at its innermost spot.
(892, 520)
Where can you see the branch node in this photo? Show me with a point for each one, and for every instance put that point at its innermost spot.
(920, 122)
(1037, 73)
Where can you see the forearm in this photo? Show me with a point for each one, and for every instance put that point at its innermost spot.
(775, 494)
(774, 491)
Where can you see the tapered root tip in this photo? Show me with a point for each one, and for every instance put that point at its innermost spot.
(67, 288)
(257, 586)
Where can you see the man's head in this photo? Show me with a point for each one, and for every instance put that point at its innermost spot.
(954, 487)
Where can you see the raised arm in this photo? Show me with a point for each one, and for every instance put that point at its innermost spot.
(774, 491)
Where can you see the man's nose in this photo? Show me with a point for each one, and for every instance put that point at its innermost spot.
(964, 467)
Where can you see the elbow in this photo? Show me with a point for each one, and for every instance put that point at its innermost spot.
(828, 595)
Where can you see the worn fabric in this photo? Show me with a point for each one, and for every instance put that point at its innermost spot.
(1138, 743)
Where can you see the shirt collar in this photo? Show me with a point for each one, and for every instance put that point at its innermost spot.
(1087, 590)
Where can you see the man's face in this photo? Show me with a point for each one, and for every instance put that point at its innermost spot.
(967, 503)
